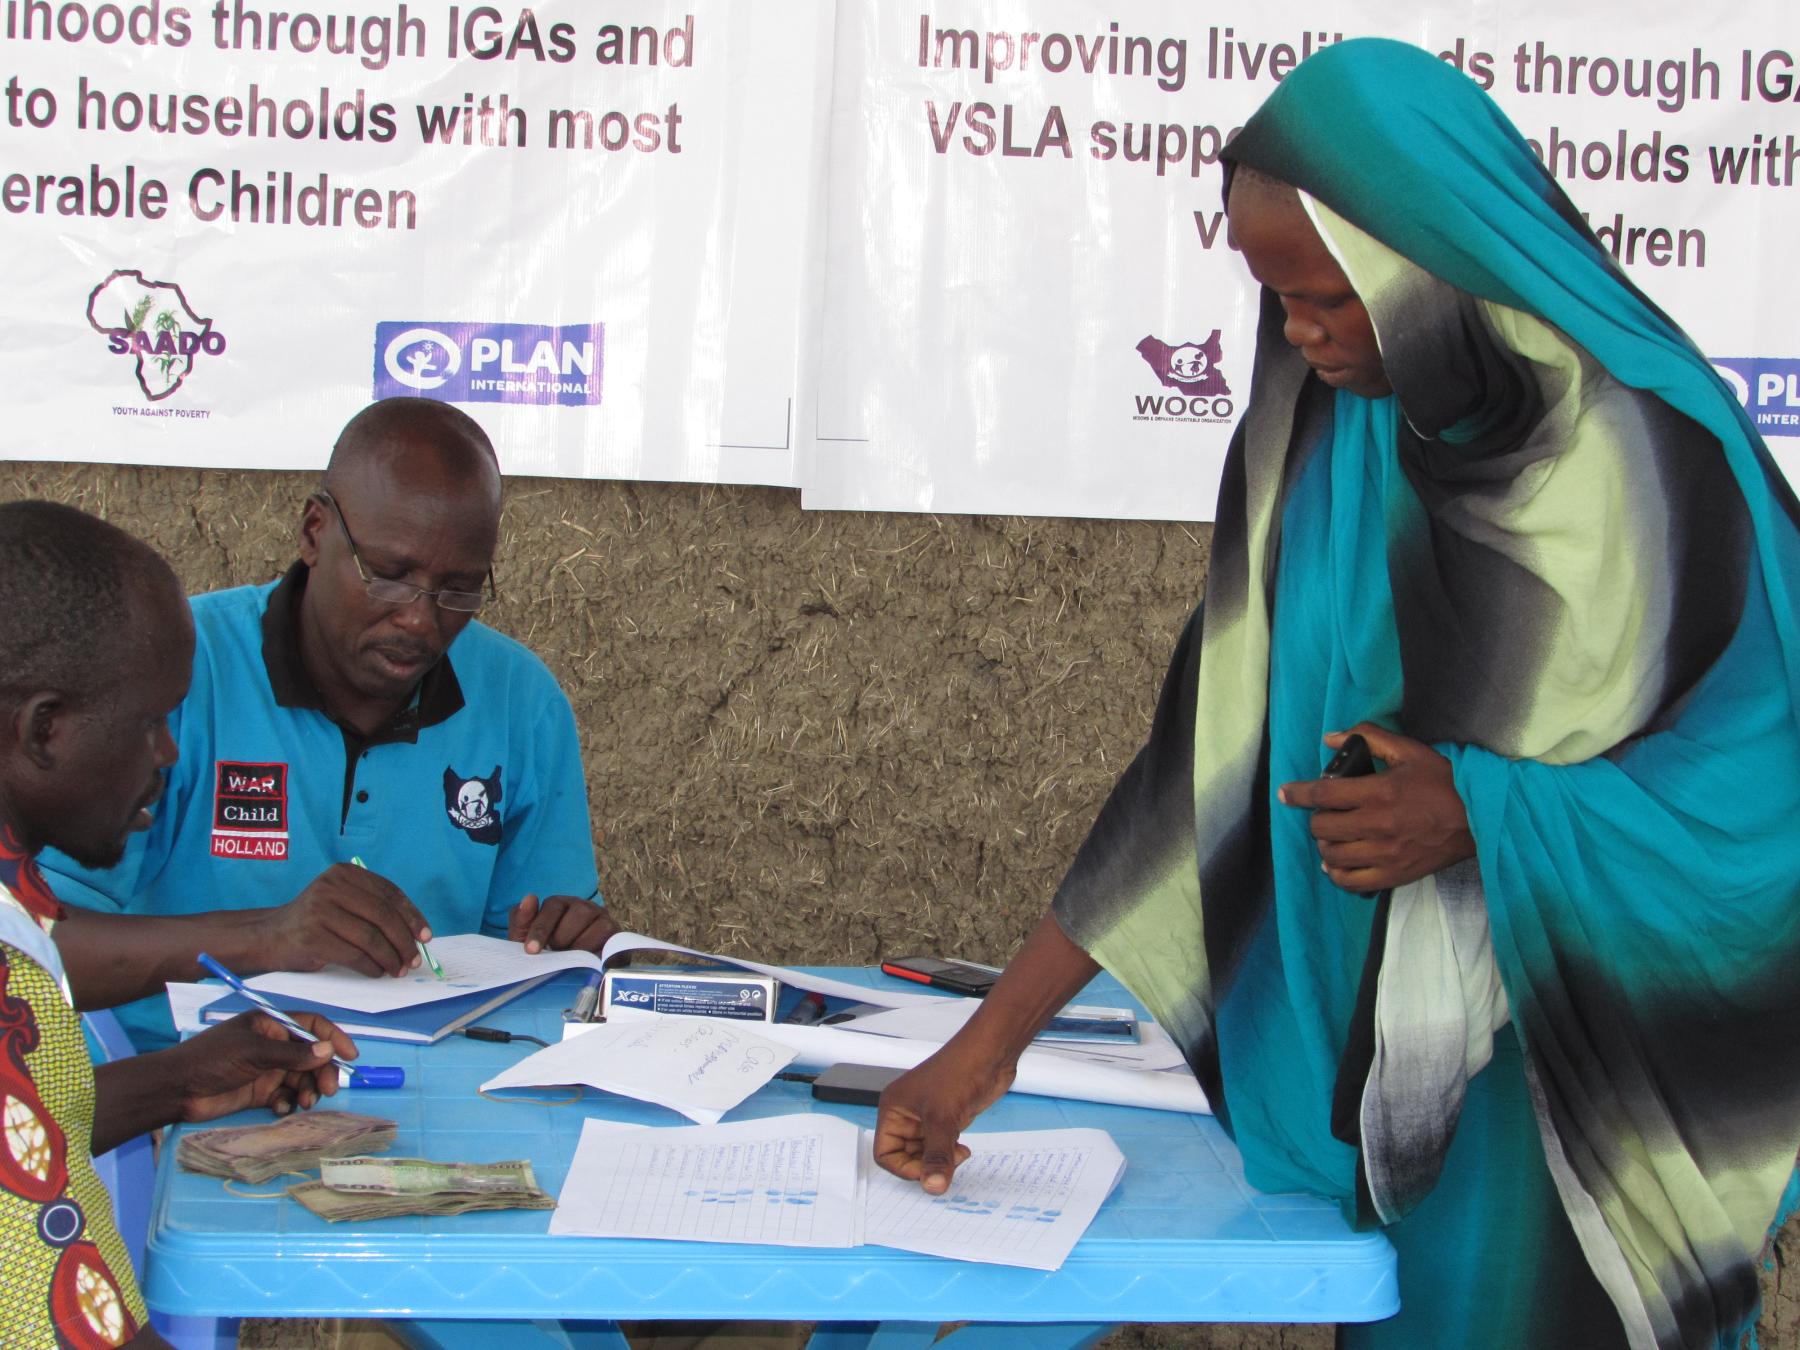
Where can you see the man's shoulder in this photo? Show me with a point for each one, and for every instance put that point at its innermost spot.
(487, 662)
(236, 609)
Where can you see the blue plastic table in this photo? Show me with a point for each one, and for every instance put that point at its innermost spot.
(1182, 1239)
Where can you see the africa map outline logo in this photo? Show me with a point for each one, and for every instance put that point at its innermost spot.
(158, 326)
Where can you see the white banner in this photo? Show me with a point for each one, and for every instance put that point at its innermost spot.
(1030, 305)
(228, 225)
(907, 258)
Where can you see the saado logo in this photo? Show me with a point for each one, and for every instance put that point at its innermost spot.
(1191, 370)
(1768, 387)
(490, 362)
(153, 323)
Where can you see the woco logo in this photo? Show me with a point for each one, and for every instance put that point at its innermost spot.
(153, 323)
(1191, 371)
(490, 362)
(1768, 387)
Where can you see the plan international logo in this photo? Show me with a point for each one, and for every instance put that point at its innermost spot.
(490, 362)
(1768, 387)
(1191, 371)
(153, 323)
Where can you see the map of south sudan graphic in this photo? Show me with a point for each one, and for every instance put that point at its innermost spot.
(150, 316)
(1188, 367)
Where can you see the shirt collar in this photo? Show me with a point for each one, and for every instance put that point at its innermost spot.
(438, 697)
(19, 874)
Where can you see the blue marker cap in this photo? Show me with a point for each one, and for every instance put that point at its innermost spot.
(374, 1076)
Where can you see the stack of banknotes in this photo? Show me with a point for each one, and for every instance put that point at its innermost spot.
(380, 1188)
(296, 1144)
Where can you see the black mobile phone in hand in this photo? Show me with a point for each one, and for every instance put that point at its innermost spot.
(1352, 760)
(959, 977)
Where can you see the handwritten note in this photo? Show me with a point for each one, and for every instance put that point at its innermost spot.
(698, 1066)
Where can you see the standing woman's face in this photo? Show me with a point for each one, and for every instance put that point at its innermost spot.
(1326, 321)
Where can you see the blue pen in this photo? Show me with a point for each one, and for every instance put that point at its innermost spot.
(299, 1031)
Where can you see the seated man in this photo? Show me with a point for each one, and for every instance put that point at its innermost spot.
(344, 788)
(94, 654)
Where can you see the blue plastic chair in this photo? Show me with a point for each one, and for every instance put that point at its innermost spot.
(129, 1170)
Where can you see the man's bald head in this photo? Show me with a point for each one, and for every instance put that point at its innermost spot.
(414, 444)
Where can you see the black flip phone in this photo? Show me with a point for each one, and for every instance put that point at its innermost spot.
(959, 977)
(1352, 760)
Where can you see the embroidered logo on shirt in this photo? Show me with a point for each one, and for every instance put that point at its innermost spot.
(250, 811)
(471, 804)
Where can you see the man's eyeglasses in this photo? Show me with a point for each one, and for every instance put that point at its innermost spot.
(391, 592)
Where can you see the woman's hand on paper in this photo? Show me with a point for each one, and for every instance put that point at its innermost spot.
(924, 1110)
(1386, 829)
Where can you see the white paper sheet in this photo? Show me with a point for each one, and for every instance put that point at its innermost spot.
(790, 1181)
(1024, 1198)
(701, 1067)
(943, 1018)
(186, 1002)
(1042, 1071)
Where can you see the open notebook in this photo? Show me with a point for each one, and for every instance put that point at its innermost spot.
(1024, 1198)
(419, 1024)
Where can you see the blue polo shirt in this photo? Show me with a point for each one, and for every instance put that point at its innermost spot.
(472, 797)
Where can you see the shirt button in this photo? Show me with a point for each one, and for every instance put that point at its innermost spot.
(362, 796)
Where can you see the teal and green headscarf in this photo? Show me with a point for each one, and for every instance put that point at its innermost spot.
(1561, 553)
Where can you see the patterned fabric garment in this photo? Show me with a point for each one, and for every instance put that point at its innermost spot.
(1560, 553)
(67, 1276)
(19, 874)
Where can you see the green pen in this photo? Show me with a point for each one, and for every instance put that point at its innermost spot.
(424, 951)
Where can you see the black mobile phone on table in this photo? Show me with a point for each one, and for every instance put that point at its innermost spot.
(959, 977)
(853, 1084)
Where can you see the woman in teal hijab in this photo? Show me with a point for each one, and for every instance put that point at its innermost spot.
(1490, 508)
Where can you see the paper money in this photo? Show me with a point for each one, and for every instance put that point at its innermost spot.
(421, 1176)
(381, 1188)
(296, 1144)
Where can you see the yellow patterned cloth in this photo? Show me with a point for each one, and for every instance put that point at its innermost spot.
(67, 1277)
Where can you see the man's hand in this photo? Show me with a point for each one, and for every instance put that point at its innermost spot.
(560, 923)
(923, 1111)
(1386, 829)
(348, 916)
(253, 1060)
